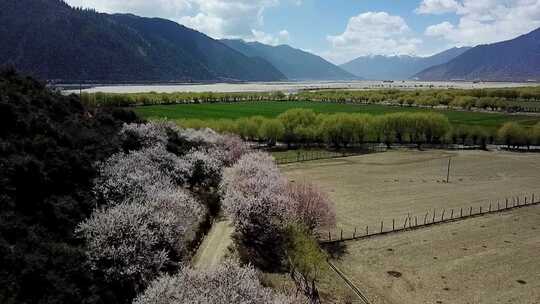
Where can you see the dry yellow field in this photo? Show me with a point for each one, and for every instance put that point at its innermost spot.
(379, 187)
(491, 259)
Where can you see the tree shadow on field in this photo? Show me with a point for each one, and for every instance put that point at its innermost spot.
(335, 250)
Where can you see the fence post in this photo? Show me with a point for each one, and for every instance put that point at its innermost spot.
(480, 209)
(498, 206)
(525, 200)
(354, 234)
(452, 214)
(367, 230)
(506, 203)
(415, 221)
(442, 216)
(470, 211)
(393, 224)
(461, 212)
(517, 200)
(382, 226)
(329, 236)
(405, 224)
(433, 221)
(489, 206)
(532, 199)
(342, 234)
(425, 217)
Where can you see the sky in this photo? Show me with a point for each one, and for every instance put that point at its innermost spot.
(341, 30)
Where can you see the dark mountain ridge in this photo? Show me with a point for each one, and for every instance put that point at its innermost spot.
(513, 60)
(51, 40)
(293, 63)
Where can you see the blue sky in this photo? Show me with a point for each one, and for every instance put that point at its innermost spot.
(341, 30)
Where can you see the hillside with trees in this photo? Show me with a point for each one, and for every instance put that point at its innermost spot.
(100, 207)
(49, 144)
(52, 41)
(514, 60)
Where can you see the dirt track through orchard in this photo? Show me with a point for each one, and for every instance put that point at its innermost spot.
(214, 246)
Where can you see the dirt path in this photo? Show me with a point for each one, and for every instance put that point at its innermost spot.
(214, 247)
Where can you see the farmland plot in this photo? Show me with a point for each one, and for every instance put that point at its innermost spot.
(391, 186)
(491, 259)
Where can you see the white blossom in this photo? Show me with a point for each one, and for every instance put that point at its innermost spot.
(139, 172)
(202, 136)
(233, 148)
(254, 188)
(206, 166)
(137, 239)
(228, 283)
(147, 135)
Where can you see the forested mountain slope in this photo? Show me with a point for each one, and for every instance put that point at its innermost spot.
(50, 40)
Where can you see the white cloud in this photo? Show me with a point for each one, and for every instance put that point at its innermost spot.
(488, 21)
(438, 7)
(284, 35)
(266, 38)
(228, 18)
(373, 33)
(216, 18)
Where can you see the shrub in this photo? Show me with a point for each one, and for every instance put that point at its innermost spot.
(512, 134)
(227, 283)
(536, 134)
(247, 128)
(135, 173)
(311, 207)
(49, 144)
(135, 240)
(255, 198)
(306, 260)
(206, 167)
(271, 131)
(262, 204)
(137, 136)
(232, 148)
(294, 120)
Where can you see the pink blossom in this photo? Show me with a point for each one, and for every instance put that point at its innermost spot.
(312, 207)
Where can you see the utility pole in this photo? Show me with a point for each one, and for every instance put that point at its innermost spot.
(448, 172)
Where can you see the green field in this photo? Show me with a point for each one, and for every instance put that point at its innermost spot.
(273, 109)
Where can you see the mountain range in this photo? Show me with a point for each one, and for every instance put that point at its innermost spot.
(294, 63)
(513, 60)
(50, 40)
(397, 67)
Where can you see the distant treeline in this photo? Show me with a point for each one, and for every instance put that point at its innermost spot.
(305, 127)
(525, 99)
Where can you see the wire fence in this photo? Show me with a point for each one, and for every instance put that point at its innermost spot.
(410, 222)
(297, 156)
